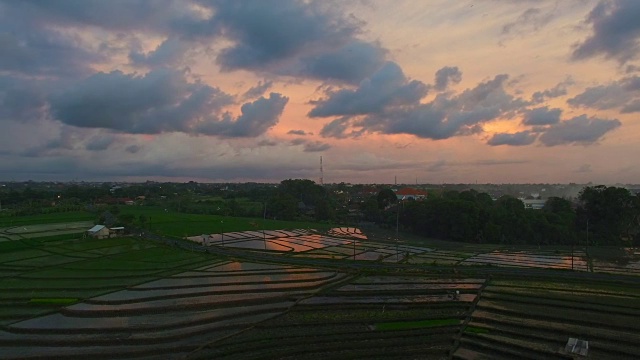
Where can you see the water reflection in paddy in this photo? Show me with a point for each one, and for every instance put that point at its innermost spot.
(234, 280)
(140, 322)
(337, 300)
(523, 259)
(237, 266)
(181, 303)
(146, 295)
(370, 255)
(408, 286)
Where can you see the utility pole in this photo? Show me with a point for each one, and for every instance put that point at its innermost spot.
(354, 249)
(321, 173)
(587, 248)
(572, 256)
(397, 223)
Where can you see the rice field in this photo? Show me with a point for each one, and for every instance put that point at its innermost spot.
(67, 296)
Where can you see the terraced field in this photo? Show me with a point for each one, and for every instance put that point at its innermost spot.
(338, 243)
(300, 294)
(171, 316)
(368, 317)
(526, 319)
(40, 275)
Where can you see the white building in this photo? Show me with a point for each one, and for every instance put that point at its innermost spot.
(98, 232)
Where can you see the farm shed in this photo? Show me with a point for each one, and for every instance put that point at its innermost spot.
(116, 231)
(98, 232)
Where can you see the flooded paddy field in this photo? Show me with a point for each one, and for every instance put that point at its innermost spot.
(134, 298)
(177, 310)
(356, 320)
(527, 259)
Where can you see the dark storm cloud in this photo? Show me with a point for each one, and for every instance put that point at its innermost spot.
(257, 90)
(580, 130)
(266, 32)
(350, 63)
(624, 94)
(31, 52)
(428, 122)
(387, 87)
(446, 76)
(164, 16)
(296, 38)
(255, 119)
(21, 100)
(616, 31)
(446, 116)
(160, 101)
(542, 116)
(516, 139)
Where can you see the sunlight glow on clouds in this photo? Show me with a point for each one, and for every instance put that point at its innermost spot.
(234, 90)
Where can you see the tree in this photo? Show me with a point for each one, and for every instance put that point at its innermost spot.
(610, 213)
(126, 219)
(385, 198)
(370, 209)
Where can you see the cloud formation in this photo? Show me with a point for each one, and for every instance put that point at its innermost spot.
(516, 139)
(542, 116)
(532, 19)
(161, 101)
(580, 130)
(559, 90)
(297, 132)
(623, 94)
(394, 107)
(257, 90)
(387, 87)
(615, 31)
(446, 76)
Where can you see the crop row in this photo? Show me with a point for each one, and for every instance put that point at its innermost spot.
(532, 322)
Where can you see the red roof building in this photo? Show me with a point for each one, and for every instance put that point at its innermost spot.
(411, 193)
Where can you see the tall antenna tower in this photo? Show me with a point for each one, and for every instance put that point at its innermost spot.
(321, 172)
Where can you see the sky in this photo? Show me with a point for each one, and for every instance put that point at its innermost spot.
(438, 91)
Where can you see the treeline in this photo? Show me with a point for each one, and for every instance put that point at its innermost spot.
(603, 215)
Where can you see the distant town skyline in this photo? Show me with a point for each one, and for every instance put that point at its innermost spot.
(493, 91)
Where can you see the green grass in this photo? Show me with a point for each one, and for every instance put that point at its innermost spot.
(476, 330)
(407, 325)
(53, 301)
(72, 216)
(60, 270)
(180, 224)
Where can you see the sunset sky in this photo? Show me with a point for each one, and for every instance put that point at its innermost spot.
(438, 91)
